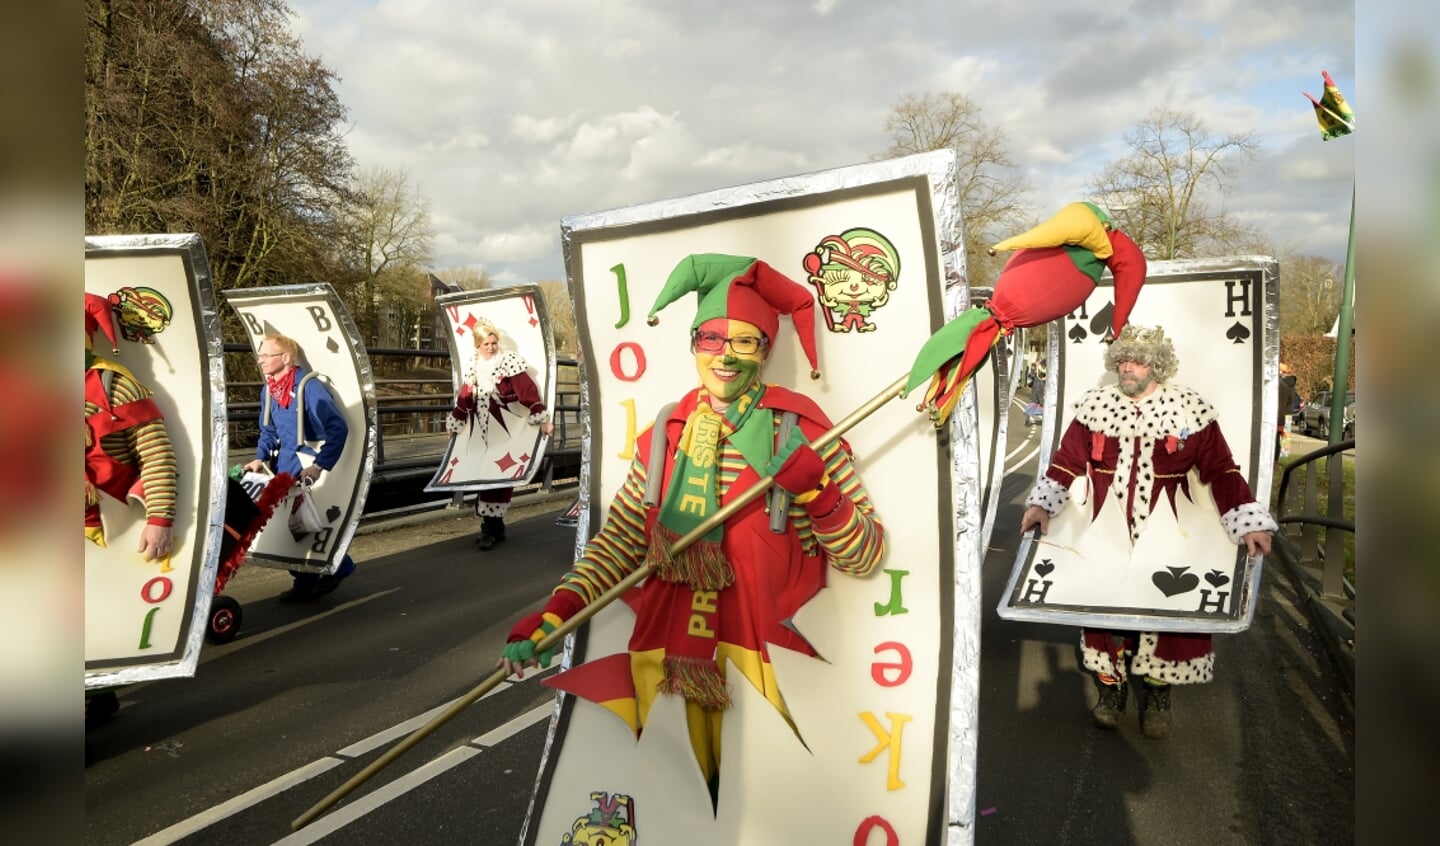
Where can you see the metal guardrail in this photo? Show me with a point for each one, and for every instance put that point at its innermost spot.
(1328, 598)
(411, 436)
(1332, 551)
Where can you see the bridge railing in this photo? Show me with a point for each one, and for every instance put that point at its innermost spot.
(413, 392)
(1315, 536)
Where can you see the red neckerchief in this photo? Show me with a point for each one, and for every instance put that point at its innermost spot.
(280, 387)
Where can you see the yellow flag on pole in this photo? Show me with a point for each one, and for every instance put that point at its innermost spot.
(1331, 111)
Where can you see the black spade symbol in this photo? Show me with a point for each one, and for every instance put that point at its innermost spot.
(1045, 567)
(1176, 581)
(331, 345)
(332, 514)
(1078, 333)
(1238, 333)
(1216, 578)
(1100, 323)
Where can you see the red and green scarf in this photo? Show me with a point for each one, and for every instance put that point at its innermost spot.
(693, 494)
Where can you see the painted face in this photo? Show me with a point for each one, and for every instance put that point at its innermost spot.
(1135, 378)
(273, 360)
(488, 347)
(845, 286)
(724, 372)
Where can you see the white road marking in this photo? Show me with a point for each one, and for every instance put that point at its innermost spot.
(251, 797)
(336, 820)
(496, 736)
(212, 652)
(359, 808)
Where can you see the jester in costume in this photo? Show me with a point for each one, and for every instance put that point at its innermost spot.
(128, 453)
(726, 597)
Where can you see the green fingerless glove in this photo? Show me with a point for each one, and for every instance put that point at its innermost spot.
(522, 651)
(519, 652)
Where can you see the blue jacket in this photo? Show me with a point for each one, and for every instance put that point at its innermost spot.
(323, 421)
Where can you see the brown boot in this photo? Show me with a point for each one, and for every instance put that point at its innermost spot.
(1111, 706)
(1155, 719)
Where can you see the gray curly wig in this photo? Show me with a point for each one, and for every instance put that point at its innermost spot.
(1146, 345)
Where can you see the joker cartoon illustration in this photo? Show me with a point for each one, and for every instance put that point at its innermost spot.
(853, 274)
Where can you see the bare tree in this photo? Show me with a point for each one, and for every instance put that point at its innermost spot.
(386, 239)
(1167, 193)
(206, 116)
(465, 278)
(562, 316)
(991, 189)
(1309, 294)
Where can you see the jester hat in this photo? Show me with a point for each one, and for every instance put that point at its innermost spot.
(1040, 283)
(98, 315)
(742, 288)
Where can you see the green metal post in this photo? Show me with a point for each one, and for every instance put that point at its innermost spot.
(1331, 579)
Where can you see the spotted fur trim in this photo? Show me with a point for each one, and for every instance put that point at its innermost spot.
(539, 418)
(1171, 410)
(491, 509)
(1049, 495)
(1244, 519)
(1199, 670)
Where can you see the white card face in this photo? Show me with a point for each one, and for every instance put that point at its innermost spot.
(330, 346)
(508, 450)
(873, 718)
(1183, 573)
(144, 620)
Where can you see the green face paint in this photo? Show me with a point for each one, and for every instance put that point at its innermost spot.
(726, 375)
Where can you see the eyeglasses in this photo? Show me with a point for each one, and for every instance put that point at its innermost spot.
(712, 342)
(267, 355)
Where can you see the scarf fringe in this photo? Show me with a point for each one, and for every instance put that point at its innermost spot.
(700, 566)
(696, 679)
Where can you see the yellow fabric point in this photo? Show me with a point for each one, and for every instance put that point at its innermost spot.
(801, 499)
(96, 535)
(1075, 224)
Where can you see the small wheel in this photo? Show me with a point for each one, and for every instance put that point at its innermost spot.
(225, 619)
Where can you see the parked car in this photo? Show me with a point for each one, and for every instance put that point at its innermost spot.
(1315, 416)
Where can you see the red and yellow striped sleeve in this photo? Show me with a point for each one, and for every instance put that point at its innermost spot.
(619, 548)
(851, 536)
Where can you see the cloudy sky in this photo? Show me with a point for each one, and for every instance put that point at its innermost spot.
(512, 114)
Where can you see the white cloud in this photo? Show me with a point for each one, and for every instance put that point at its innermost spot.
(513, 114)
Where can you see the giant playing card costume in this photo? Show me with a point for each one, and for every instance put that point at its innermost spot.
(726, 598)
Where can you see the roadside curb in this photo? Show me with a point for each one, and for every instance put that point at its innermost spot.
(441, 510)
(1326, 614)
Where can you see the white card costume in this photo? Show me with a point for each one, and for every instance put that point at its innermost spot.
(880, 736)
(145, 620)
(330, 349)
(1173, 567)
(499, 446)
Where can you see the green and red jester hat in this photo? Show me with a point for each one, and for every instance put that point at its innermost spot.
(742, 288)
(1055, 268)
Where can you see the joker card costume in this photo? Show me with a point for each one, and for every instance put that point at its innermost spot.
(128, 453)
(731, 594)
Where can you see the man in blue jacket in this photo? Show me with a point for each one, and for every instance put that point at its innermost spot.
(286, 385)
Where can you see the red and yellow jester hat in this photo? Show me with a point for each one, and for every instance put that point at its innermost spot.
(742, 288)
(98, 316)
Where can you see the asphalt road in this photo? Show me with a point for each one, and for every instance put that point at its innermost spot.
(309, 695)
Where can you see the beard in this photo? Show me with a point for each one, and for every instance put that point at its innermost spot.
(1134, 386)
